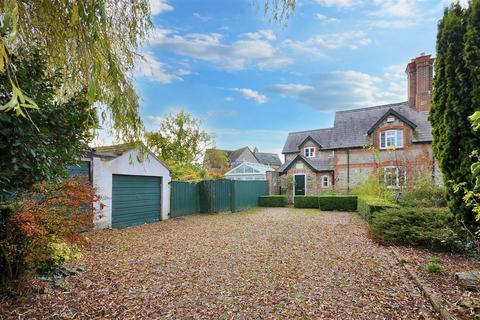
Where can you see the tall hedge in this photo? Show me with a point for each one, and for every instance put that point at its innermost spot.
(456, 96)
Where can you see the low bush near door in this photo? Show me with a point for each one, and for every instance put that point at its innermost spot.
(273, 201)
(369, 206)
(337, 202)
(305, 202)
(432, 228)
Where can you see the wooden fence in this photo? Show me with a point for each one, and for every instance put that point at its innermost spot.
(215, 196)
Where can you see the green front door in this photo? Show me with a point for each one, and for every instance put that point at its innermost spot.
(136, 200)
(300, 185)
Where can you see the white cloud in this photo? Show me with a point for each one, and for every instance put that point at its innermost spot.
(324, 19)
(254, 49)
(316, 45)
(395, 8)
(290, 89)
(159, 6)
(154, 70)
(343, 90)
(396, 78)
(394, 23)
(339, 3)
(183, 72)
(264, 33)
(200, 17)
(251, 94)
(228, 99)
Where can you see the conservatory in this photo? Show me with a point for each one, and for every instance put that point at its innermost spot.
(249, 171)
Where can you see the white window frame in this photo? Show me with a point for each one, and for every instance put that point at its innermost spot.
(390, 134)
(327, 181)
(397, 177)
(309, 152)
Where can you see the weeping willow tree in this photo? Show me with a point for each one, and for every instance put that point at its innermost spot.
(92, 44)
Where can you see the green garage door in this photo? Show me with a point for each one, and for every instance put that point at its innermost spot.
(135, 200)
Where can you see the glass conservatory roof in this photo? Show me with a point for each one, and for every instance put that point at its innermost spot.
(248, 168)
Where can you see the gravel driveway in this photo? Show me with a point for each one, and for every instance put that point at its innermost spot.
(265, 263)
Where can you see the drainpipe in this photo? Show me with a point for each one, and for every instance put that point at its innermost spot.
(348, 171)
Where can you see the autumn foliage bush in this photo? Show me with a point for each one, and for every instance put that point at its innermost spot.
(43, 229)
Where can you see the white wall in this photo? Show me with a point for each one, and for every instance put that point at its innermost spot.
(127, 164)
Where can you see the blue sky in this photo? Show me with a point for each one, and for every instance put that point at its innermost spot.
(252, 80)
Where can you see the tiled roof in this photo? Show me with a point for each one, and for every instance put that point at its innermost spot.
(262, 157)
(233, 155)
(114, 150)
(324, 163)
(294, 139)
(268, 158)
(351, 127)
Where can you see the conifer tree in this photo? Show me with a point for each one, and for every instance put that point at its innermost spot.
(453, 102)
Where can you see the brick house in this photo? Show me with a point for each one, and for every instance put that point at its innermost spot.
(395, 138)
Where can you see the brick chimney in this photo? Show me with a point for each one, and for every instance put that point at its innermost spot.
(420, 76)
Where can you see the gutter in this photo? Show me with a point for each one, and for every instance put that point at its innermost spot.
(348, 171)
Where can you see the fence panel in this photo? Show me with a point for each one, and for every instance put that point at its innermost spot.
(245, 194)
(217, 194)
(185, 198)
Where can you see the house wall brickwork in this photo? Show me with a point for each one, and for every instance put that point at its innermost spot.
(313, 180)
(355, 165)
(352, 166)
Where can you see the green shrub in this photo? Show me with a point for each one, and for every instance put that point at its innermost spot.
(305, 202)
(337, 202)
(433, 267)
(423, 193)
(369, 206)
(374, 186)
(273, 201)
(432, 228)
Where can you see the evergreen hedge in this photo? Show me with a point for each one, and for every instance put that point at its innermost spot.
(273, 201)
(369, 206)
(432, 228)
(337, 202)
(305, 202)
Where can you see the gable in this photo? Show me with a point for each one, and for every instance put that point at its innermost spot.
(396, 115)
(286, 167)
(243, 155)
(309, 139)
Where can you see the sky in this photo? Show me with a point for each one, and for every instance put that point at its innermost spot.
(252, 80)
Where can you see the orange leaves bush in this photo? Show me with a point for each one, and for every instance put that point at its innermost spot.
(43, 229)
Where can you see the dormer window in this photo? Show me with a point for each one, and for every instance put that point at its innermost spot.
(390, 119)
(391, 139)
(309, 152)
